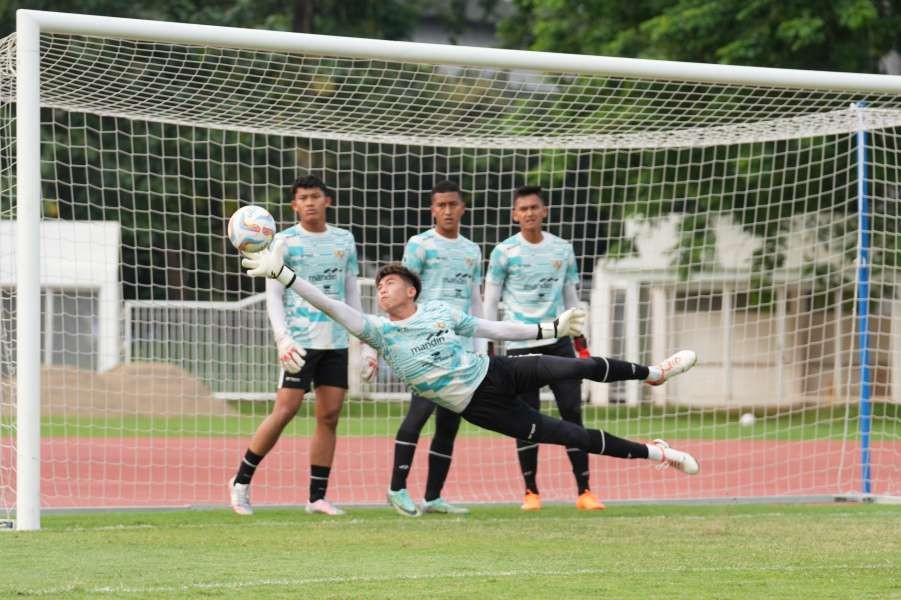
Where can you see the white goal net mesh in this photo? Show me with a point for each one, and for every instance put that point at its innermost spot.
(720, 217)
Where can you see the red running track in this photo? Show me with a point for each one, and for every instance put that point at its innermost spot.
(109, 472)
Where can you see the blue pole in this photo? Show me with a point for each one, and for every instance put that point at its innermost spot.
(863, 306)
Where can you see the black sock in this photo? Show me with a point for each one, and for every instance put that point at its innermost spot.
(439, 465)
(527, 452)
(579, 460)
(247, 467)
(620, 370)
(318, 482)
(404, 449)
(610, 445)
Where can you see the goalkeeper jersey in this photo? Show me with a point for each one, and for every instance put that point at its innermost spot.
(324, 259)
(532, 278)
(448, 267)
(429, 352)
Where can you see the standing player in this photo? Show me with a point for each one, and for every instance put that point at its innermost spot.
(450, 267)
(535, 274)
(426, 346)
(312, 348)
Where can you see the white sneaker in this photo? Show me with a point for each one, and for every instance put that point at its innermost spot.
(323, 507)
(239, 493)
(676, 364)
(677, 459)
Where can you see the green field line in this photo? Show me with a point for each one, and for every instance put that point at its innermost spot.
(674, 552)
(383, 419)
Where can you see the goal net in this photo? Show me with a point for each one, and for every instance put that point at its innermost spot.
(723, 217)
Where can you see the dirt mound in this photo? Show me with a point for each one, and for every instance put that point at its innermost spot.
(138, 388)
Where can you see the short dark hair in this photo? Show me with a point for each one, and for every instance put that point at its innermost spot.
(309, 181)
(445, 187)
(396, 268)
(528, 190)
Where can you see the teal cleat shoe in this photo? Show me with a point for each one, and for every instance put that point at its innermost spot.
(442, 506)
(402, 503)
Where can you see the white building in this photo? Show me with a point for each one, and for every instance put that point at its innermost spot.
(81, 291)
(781, 342)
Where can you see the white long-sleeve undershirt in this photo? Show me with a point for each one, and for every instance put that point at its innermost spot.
(570, 296)
(353, 319)
(480, 345)
(492, 299)
(275, 301)
(275, 307)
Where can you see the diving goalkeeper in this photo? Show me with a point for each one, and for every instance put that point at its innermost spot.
(423, 345)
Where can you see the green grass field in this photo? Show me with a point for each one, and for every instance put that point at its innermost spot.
(671, 552)
(383, 419)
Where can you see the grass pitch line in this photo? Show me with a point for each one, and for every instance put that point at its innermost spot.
(441, 520)
(266, 582)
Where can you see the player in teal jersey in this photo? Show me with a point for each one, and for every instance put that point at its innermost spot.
(427, 348)
(312, 348)
(535, 274)
(450, 267)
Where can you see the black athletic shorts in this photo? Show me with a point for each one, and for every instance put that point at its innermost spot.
(497, 403)
(561, 347)
(322, 367)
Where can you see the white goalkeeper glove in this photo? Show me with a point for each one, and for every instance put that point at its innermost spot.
(370, 366)
(290, 355)
(269, 262)
(567, 324)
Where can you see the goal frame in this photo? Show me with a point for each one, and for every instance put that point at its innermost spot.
(31, 24)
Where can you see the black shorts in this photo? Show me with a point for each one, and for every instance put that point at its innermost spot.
(561, 347)
(568, 392)
(321, 367)
(497, 403)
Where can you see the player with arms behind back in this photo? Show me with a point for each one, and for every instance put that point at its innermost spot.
(535, 274)
(427, 347)
(312, 348)
(450, 267)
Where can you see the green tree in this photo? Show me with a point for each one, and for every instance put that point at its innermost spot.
(385, 19)
(846, 35)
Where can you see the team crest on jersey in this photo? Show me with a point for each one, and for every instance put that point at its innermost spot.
(557, 264)
(469, 262)
(339, 254)
(440, 325)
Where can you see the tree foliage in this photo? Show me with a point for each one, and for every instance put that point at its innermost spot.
(846, 35)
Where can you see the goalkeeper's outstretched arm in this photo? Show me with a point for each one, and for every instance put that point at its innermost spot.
(569, 323)
(270, 264)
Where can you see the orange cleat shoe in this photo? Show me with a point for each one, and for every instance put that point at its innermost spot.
(531, 502)
(588, 501)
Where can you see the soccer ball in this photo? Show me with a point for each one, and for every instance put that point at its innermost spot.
(747, 419)
(251, 229)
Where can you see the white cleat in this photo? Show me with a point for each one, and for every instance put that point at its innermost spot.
(676, 364)
(323, 507)
(677, 459)
(239, 494)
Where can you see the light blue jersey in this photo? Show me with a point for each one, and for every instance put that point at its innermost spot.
(429, 352)
(448, 267)
(324, 259)
(532, 278)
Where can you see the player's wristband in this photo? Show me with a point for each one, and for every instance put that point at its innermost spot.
(286, 276)
(547, 330)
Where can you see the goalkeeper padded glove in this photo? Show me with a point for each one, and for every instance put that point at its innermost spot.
(580, 344)
(290, 355)
(567, 324)
(269, 262)
(370, 366)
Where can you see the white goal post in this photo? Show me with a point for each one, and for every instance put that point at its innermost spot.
(748, 212)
